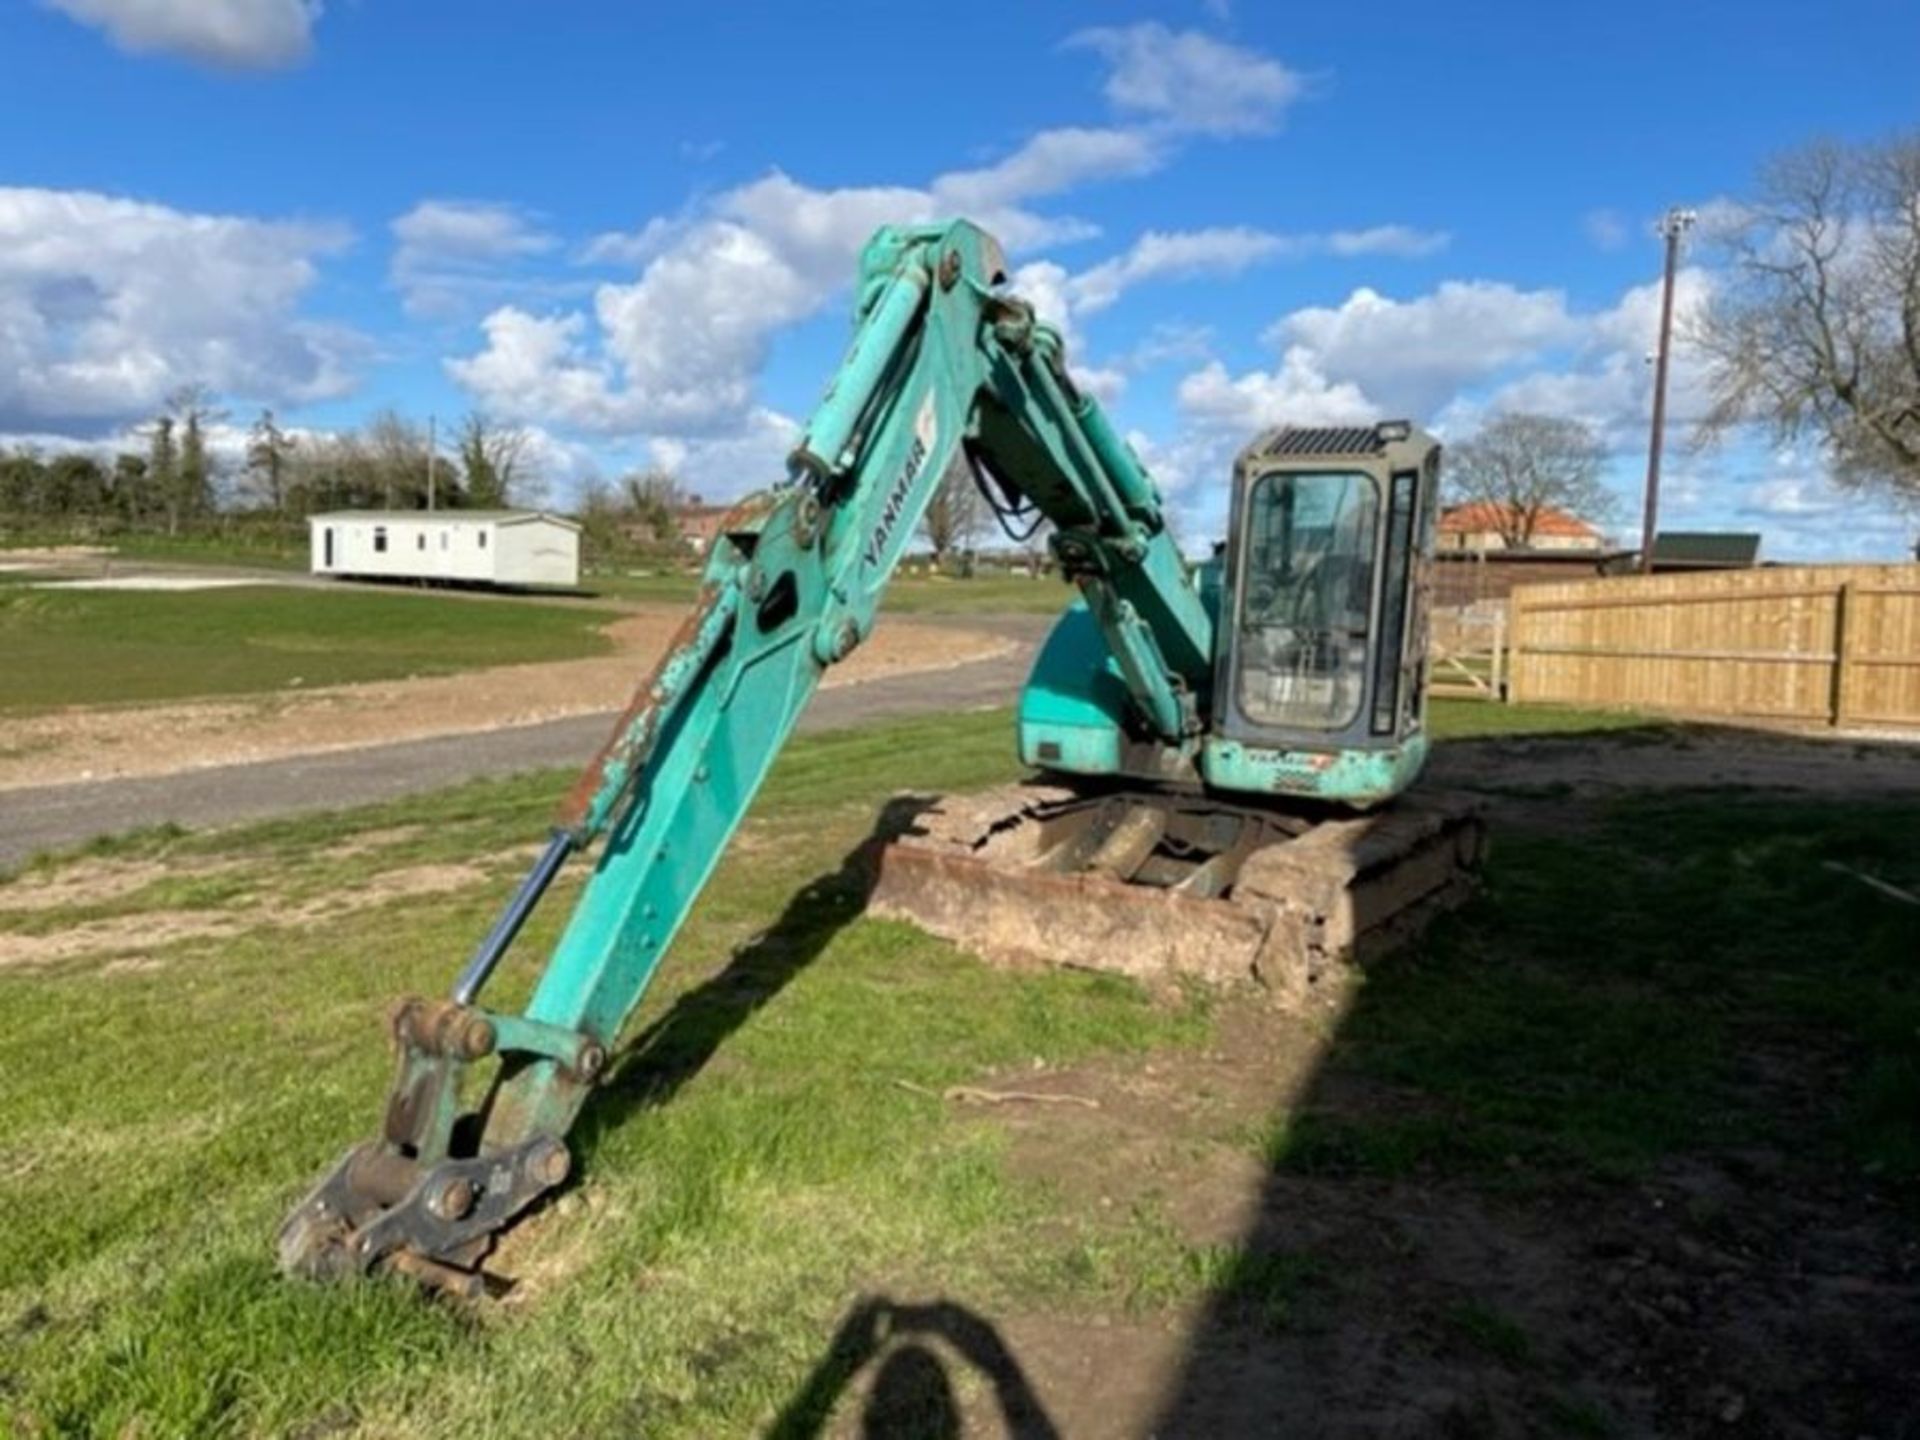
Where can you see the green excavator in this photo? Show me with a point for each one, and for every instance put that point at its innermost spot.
(1220, 752)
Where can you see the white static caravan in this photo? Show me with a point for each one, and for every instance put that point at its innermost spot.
(475, 547)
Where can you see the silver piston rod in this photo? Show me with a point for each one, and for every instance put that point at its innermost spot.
(500, 937)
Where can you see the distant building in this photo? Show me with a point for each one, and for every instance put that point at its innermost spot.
(480, 547)
(1484, 524)
(699, 525)
(1696, 550)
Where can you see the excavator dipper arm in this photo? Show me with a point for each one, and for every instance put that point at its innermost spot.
(944, 370)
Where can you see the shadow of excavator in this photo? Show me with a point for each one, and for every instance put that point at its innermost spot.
(676, 1047)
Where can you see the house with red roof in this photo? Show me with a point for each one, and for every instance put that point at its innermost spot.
(1482, 525)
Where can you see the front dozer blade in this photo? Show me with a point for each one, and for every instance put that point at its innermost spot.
(1160, 886)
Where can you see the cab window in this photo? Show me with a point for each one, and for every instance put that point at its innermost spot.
(1306, 593)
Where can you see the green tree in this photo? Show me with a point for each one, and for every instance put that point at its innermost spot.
(76, 485)
(196, 472)
(178, 465)
(492, 462)
(131, 497)
(269, 460)
(163, 470)
(22, 478)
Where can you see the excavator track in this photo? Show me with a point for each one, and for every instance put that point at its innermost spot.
(1162, 886)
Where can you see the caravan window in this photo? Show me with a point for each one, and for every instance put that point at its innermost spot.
(380, 539)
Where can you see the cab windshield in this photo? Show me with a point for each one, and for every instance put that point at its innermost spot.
(1306, 590)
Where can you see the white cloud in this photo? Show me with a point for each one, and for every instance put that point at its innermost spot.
(1607, 379)
(1169, 341)
(632, 247)
(1191, 81)
(1227, 250)
(1791, 496)
(1605, 229)
(1049, 163)
(1416, 354)
(720, 469)
(1466, 349)
(106, 304)
(535, 365)
(681, 346)
(1047, 286)
(468, 230)
(239, 34)
(1402, 241)
(1161, 254)
(678, 348)
(1297, 391)
(451, 252)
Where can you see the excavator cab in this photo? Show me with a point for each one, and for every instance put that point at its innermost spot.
(1321, 635)
(1318, 604)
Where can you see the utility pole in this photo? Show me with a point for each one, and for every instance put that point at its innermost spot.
(431, 442)
(1675, 223)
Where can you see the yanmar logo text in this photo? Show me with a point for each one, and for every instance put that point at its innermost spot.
(926, 428)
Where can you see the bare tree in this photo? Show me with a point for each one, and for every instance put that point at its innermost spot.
(652, 499)
(396, 449)
(1520, 466)
(953, 515)
(1817, 330)
(493, 461)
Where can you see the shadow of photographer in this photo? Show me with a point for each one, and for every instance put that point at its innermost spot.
(911, 1392)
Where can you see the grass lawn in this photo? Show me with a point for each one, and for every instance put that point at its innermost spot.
(1456, 718)
(89, 647)
(757, 1162)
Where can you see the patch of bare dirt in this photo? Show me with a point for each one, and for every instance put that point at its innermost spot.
(116, 935)
(117, 742)
(407, 883)
(368, 841)
(125, 942)
(51, 557)
(86, 882)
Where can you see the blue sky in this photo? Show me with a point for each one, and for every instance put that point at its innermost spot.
(631, 226)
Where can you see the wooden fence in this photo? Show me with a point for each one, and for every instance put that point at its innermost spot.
(1829, 644)
(1466, 651)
